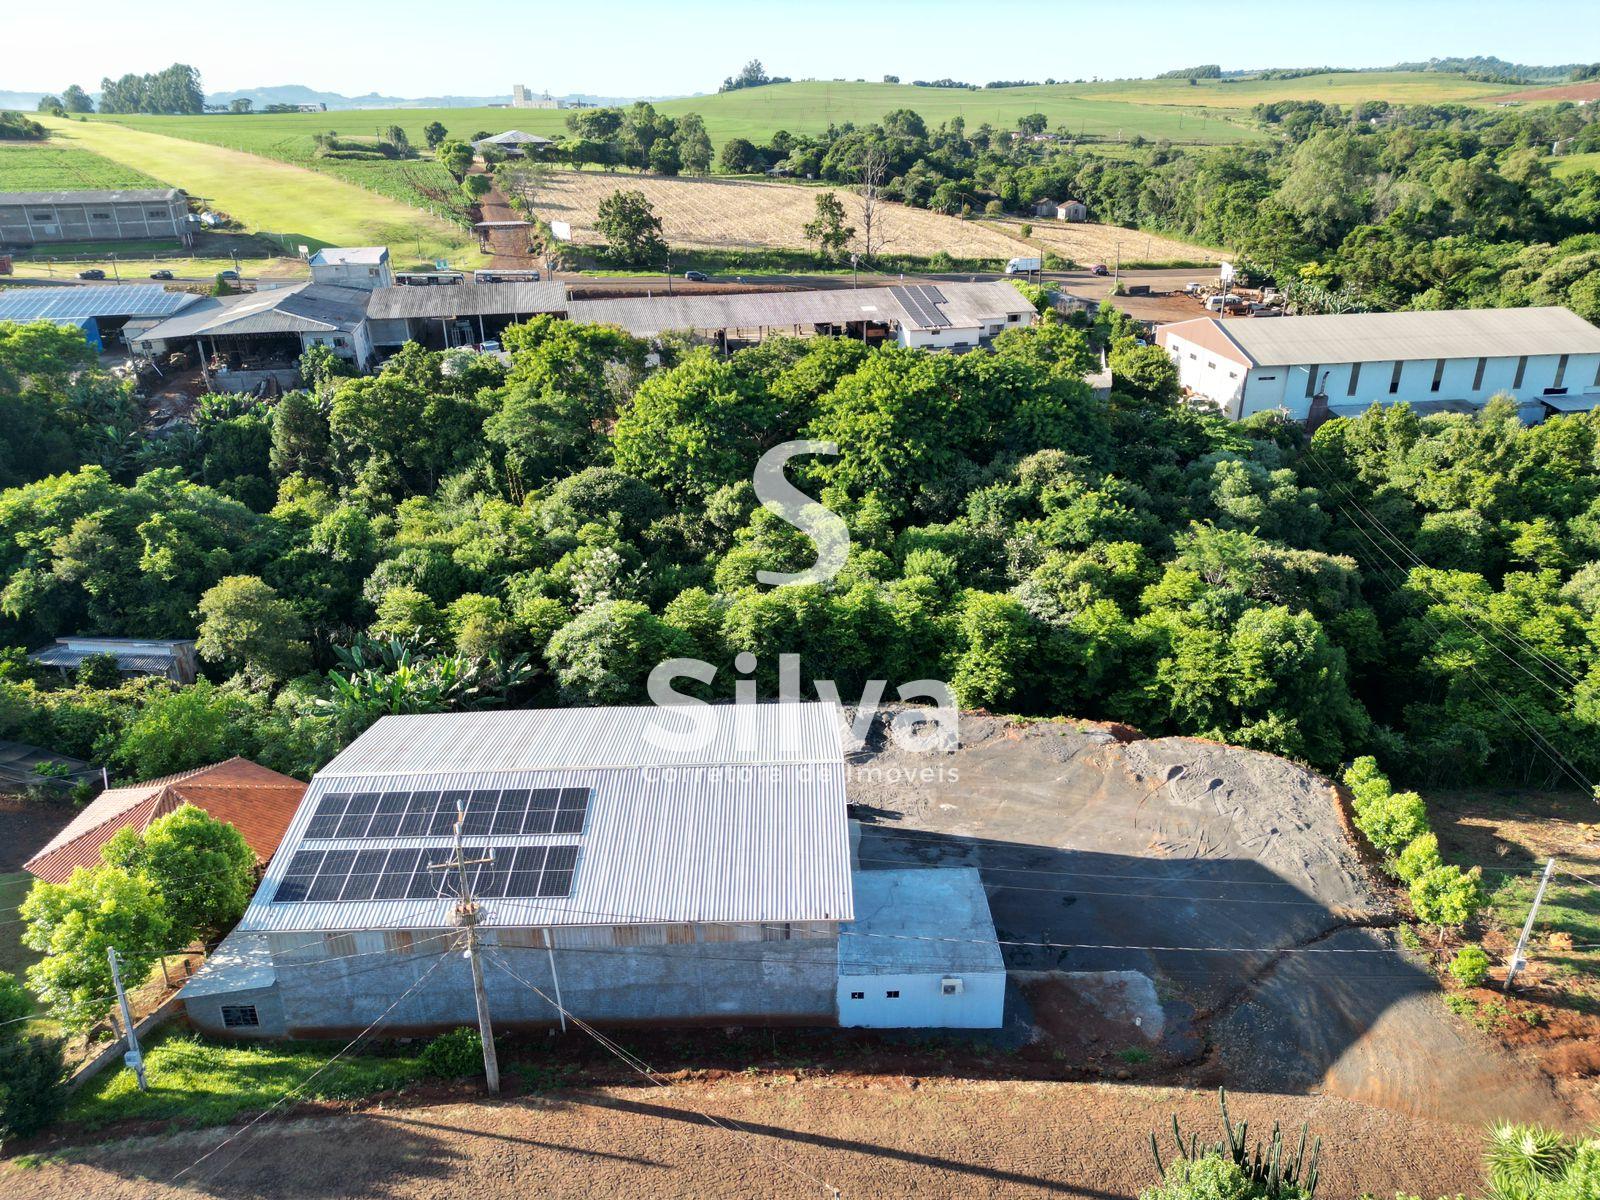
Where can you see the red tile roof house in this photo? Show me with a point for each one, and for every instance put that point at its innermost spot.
(256, 801)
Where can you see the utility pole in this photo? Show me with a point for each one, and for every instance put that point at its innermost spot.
(133, 1058)
(466, 914)
(1517, 961)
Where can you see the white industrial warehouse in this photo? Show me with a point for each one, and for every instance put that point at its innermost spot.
(644, 878)
(1547, 359)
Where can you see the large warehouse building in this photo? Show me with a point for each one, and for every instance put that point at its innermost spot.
(640, 879)
(41, 218)
(1548, 359)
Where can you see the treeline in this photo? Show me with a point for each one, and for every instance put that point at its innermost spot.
(548, 531)
(175, 90)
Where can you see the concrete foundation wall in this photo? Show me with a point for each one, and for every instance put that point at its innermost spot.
(734, 983)
(205, 1013)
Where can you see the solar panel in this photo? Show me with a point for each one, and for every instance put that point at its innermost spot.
(77, 303)
(489, 811)
(325, 876)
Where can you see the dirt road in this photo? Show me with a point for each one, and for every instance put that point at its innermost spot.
(880, 1138)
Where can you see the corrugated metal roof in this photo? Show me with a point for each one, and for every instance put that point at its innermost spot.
(302, 308)
(749, 827)
(155, 656)
(77, 303)
(514, 137)
(1398, 336)
(361, 255)
(965, 305)
(92, 196)
(467, 300)
(241, 962)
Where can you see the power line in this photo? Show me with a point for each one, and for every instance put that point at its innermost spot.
(307, 1080)
(644, 1069)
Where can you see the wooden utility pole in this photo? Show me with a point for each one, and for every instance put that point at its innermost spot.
(466, 915)
(1517, 961)
(133, 1058)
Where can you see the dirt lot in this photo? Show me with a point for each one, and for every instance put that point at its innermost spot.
(1085, 243)
(867, 1138)
(1220, 877)
(729, 214)
(1571, 91)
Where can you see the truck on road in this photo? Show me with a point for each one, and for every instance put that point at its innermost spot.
(1023, 266)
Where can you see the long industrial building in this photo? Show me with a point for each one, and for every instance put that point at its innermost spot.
(1547, 359)
(43, 218)
(639, 872)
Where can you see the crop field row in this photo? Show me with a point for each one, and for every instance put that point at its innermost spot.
(725, 214)
(47, 166)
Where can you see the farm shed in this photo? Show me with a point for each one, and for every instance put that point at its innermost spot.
(102, 311)
(513, 143)
(442, 317)
(1548, 359)
(262, 335)
(1062, 210)
(921, 953)
(174, 659)
(956, 316)
(256, 801)
(648, 876)
(363, 267)
(42, 218)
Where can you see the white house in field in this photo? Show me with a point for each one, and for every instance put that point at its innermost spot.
(1548, 359)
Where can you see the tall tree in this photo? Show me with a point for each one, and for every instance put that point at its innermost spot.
(827, 230)
(631, 228)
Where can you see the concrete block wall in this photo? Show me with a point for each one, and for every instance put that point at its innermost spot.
(734, 983)
(205, 1013)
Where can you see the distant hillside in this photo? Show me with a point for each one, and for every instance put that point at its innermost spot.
(295, 93)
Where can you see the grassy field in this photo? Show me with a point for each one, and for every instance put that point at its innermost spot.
(1337, 87)
(1571, 164)
(754, 113)
(54, 166)
(196, 1082)
(292, 205)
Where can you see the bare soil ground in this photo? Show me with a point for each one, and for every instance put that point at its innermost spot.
(864, 1137)
(1086, 244)
(733, 214)
(1222, 876)
(1571, 91)
(26, 825)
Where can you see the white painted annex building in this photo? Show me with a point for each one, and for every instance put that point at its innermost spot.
(1548, 359)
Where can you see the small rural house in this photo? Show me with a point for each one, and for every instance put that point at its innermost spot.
(1547, 359)
(173, 658)
(362, 267)
(1062, 210)
(256, 801)
(641, 875)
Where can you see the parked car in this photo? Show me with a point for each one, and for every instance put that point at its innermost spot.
(161, 274)
(1099, 269)
(695, 276)
(92, 273)
(230, 275)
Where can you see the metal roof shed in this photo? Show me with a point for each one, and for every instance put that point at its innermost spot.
(745, 825)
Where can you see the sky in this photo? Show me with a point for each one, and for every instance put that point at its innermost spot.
(679, 47)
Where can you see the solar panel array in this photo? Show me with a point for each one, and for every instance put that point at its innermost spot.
(921, 301)
(342, 873)
(502, 812)
(77, 303)
(328, 876)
